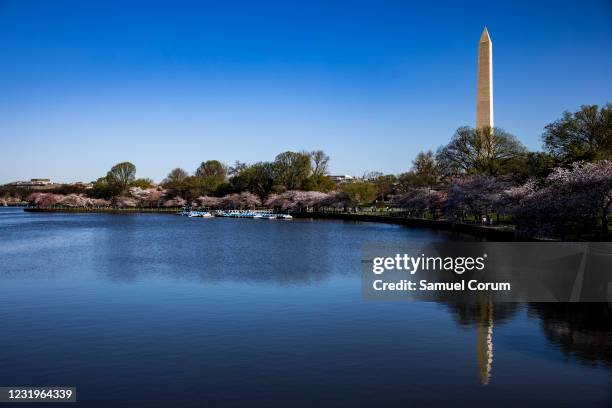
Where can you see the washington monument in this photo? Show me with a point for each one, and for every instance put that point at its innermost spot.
(484, 97)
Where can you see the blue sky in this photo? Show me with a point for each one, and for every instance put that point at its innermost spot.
(86, 84)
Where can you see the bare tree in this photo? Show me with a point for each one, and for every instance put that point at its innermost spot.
(236, 168)
(320, 162)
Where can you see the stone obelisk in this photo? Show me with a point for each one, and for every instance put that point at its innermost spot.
(484, 98)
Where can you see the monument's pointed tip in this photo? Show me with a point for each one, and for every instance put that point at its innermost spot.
(485, 35)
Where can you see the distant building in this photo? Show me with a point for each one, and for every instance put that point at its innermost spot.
(35, 183)
(81, 184)
(40, 181)
(345, 178)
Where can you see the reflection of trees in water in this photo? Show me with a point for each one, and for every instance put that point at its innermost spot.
(221, 268)
(580, 330)
(219, 251)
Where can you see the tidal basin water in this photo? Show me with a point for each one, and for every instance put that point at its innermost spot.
(161, 310)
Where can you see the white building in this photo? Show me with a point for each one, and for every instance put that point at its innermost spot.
(345, 178)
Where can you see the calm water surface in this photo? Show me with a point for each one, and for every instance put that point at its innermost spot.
(158, 310)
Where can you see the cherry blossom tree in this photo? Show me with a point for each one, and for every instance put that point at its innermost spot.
(149, 197)
(138, 193)
(125, 202)
(421, 200)
(250, 200)
(74, 201)
(44, 200)
(515, 196)
(49, 200)
(476, 195)
(295, 200)
(155, 197)
(273, 200)
(337, 200)
(175, 202)
(99, 202)
(572, 200)
(206, 202)
(240, 201)
(231, 201)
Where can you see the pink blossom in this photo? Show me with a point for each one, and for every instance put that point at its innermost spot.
(44, 200)
(336, 199)
(240, 201)
(175, 202)
(206, 202)
(149, 197)
(295, 200)
(74, 200)
(125, 202)
(570, 200)
(475, 195)
(99, 202)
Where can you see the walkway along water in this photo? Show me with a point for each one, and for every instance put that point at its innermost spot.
(490, 232)
(497, 233)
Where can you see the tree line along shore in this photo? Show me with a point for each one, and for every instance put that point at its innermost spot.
(482, 176)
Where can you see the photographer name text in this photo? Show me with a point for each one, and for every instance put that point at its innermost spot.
(424, 285)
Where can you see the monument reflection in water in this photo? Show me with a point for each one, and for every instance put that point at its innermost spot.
(484, 335)
(582, 331)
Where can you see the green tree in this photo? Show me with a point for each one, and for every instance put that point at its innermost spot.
(585, 135)
(193, 187)
(407, 181)
(258, 179)
(177, 182)
(484, 151)
(319, 182)
(426, 169)
(385, 186)
(212, 169)
(121, 175)
(425, 172)
(236, 168)
(360, 193)
(212, 177)
(291, 170)
(143, 183)
(536, 165)
(175, 175)
(103, 189)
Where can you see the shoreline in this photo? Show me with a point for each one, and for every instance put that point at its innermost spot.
(172, 210)
(494, 233)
